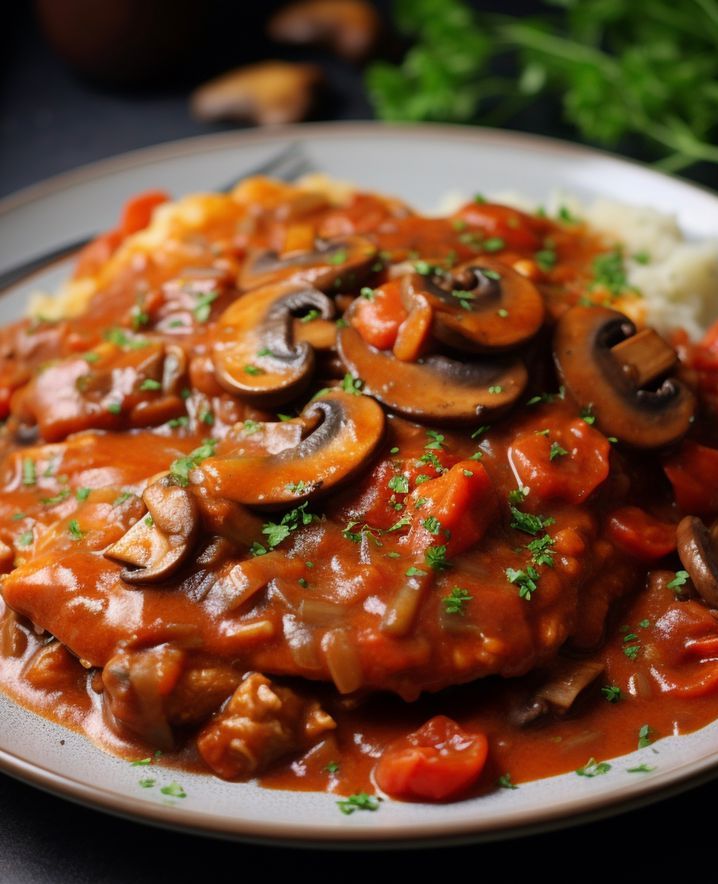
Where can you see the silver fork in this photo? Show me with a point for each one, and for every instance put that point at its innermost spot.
(288, 165)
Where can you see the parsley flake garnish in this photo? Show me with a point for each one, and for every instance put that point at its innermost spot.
(556, 451)
(611, 692)
(593, 768)
(435, 557)
(358, 801)
(455, 601)
(174, 790)
(645, 736)
(525, 579)
(183, 466)
(505, 781)
(527, 522)
(76, 533)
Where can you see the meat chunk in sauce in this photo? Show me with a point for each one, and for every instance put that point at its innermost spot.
(261, 723)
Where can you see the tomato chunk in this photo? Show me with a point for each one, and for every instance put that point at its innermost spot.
(137, 211)
(693, 472)
(640, 534)
(377, 318)
(517, 229)
(435, 763)
(462, 501)
(568, 461)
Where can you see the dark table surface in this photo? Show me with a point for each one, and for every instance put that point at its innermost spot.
(51, 121)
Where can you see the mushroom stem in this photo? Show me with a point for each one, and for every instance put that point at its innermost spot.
(645, 357)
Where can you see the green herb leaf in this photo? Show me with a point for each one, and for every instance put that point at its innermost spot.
(359, 801)
(455, 601)
(593, 768)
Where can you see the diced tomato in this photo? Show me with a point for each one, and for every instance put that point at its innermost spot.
(640, 534)
(137, 212)
(517, 229)
(462, 500)
(568, 462)
(435, 763)
(693, 472)
(377, 319)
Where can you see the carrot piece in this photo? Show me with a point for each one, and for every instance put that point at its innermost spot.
(693, 472)
(640, 534)
(437, 762)
(377, 318)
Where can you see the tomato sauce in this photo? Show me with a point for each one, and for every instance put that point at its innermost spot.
(176, 513)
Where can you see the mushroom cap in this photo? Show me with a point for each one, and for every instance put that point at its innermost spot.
(596, 378)
(481, 306)
(435, 389)
(349, 431)
(156, 548)
(254, 353)
(343, 261)
(699, 556)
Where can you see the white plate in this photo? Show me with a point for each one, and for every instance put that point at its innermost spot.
(420, 164)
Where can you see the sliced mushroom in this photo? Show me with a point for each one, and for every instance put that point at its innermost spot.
(559, 692)
(255, 355)
(332, 264)
(269, 93)
(349, 28)
(157, 547)
(435, 389)
(698, 552)
(606, 366)
(481, 306)
(350, 431)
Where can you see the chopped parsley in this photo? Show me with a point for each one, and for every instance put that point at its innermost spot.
(455, 601)
(556, 451)
(147, 782)
(174, 790)
(436, 440)
(249, 427)
(114, 407)
(120, 338)
(276, 532)
(150, 384)
(545, 259)
(203, 305)
(541, 550)
(415, 572)
(645, 736)
(399, 484)
(25, 538)
(82, 493)
(494, 244)
(609, 272)
(505, 781)
(641, 768)
(611, 692)
(73, 527)
(678, 582)
(332, 767)
(525, 579)
(253, 370)
(367, 293)
(358, 801)
(122, 498)
(300, 487)
(352, 385)
(29, 472)
(527, 522)
(338, 257)
(593, 768)
(432, 525)
(495, 389)
(435, 557)
(58, 498)
(588, 416)
(183, 466)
